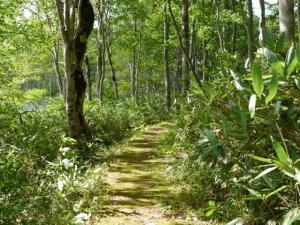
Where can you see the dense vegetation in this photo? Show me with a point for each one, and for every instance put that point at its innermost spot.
(77, 77)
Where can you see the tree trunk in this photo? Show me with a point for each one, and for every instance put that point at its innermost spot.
(75, 35)
(166, 59)
(298, 12)
(101, 49)
(250, 33)
(133, 67)
(57, 70)
(233, 39)
(219, 29)
(112, 70)
(225, 26)
(87, 75)
(186, 45)
(262, 19)
(286, 19)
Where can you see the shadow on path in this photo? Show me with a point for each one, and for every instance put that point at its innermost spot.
(136, 188)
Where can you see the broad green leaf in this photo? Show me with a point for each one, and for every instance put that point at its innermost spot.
(276, 64)
(268, 40)
(261, 159)
(291, 61)
(282, 155)
(280, 43)
(211, 137)
(252, 105)
(257, 81)
(263, 173)
(253, 192)
(210, 212)
(275, 192)
(273, 88)
(286, 169)
(292, 216)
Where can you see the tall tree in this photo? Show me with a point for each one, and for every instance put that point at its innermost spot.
(166, 58)
(87, 75)
(101, 32)
(287, 19)
(185, 45)
(75, 30)
(112, 69)
(298, 15)
(262, 19)
(250, 33)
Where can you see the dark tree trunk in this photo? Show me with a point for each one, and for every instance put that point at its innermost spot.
(101, 32)
(75, 35)
(87, 75)
(133, 66)
(298, 19)
(250, 33)
(185, 45)
(166, 58)
(112, 70)
(58, 75)
(233, 39)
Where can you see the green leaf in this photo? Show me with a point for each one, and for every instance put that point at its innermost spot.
(211, 137)
(280, 43)
(261, 159)
(210, 212)
(273, 88)
(252, 105)
(253, 192)
(292, 216)
(268, 40)
(257, 80)
(277, 66)
(263, 173)
(291, 61)
(282, 155)
(275, 192)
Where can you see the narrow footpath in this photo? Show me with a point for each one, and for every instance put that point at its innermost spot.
(137, 186)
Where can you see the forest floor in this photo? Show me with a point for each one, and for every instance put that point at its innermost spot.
(137, 185)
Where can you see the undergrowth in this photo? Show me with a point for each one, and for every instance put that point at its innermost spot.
(44, 177)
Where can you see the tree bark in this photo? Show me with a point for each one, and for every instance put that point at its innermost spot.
(250, 34)
(185, 45)
(166, 58)
(262, 20)
(225, 26)
(100, 6)
(298, 15)
(75, 36)
(87, 75)
(286, 19)
(234, 27)
(133, 67)
(112, 70)
(219, 29)
(183, 50)
(59, 78)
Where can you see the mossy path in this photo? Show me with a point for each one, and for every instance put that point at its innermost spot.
(136, 185)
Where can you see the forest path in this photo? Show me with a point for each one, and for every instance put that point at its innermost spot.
(136, 184)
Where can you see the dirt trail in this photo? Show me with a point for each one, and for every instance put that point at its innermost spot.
(136, 187)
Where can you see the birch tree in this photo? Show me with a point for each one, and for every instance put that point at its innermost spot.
(76, 21)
